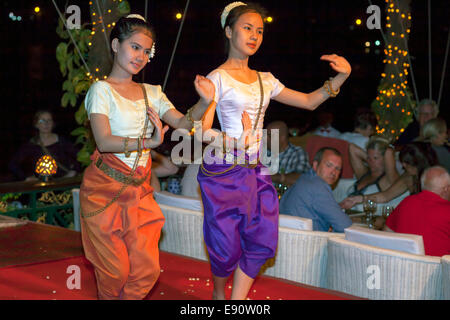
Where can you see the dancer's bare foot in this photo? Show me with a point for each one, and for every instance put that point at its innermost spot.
(219, 288)
(241, 285)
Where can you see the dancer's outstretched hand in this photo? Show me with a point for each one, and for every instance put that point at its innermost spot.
(158, 134)
(338, 63)
(205, 88)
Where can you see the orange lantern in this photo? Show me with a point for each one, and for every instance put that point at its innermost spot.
(46, 166)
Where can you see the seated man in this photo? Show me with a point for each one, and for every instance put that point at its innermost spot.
(426, 213)
(293, 160)
(426, 110)
(311, 197)
(325, 128)
(365, 123)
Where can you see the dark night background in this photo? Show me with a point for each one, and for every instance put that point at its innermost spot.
(301, 32)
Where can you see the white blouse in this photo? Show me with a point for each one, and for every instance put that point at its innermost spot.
(126, 117)
(233, 97)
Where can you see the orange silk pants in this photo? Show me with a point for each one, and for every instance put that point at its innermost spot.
(122, 241)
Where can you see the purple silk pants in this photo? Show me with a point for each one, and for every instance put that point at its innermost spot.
(240, 217)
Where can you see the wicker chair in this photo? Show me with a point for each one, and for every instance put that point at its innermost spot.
(301, 255)
(410, 243)
(376, 273)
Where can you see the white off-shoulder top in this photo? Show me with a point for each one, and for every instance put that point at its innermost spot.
(233, 97)
(126, 117)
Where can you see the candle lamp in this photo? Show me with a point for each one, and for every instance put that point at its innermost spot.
(46, 167)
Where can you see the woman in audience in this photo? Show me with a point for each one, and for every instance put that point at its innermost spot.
(415, 158)
(374, 169)
(434, 131)
(23, 163)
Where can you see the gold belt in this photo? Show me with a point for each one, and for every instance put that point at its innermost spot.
(119, 176)
(235, 163)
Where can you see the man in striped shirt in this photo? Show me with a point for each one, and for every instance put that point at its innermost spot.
(293, 160)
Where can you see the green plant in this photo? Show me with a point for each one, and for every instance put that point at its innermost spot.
(77, 83)
(5, 201)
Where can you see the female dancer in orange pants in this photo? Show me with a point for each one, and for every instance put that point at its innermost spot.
(120, 220)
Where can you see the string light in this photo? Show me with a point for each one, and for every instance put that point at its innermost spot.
(394, 91)
(99, 20)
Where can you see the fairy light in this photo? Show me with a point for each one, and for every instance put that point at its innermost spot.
(99, 20)
(390, 99)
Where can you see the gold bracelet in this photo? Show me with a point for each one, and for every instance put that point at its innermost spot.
(139, 150)
(127, 153)
(189, 118)
(329, 89)
(335, 93)
(224, 142)
(189, 115)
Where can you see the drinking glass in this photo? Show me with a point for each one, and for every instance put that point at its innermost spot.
(386, 211)
(370, 207)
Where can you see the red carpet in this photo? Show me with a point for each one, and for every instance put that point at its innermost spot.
(47, 277)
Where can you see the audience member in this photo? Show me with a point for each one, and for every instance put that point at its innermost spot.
(415, 158)
(23, 163)
(426, 110)
(434, 131)
(426, 213)
(293, 160)
(304, 124)
(311, 196)
(375, 169)
(325, 128)
(364, 126)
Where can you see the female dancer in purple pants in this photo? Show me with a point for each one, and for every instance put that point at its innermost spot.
(240, 203)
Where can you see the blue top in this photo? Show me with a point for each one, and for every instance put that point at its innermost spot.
(311, 197)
